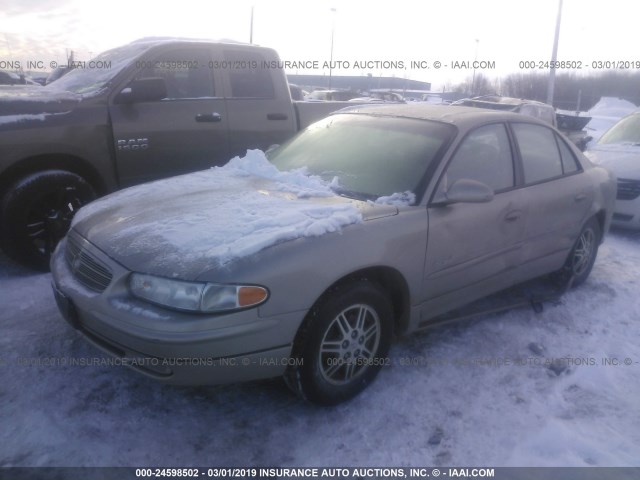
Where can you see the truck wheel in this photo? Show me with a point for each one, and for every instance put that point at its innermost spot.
(342, 345)
(37, 212)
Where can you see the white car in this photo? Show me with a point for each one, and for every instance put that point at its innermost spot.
(619, 150)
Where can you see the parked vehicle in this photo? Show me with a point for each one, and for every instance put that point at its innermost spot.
(570, 125)
(150, 109)
(532, 108)
(332, 95)
(380, 97)
(10, 78)
(619, 150)
(258, 269)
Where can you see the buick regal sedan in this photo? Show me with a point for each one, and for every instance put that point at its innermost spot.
(369, 224)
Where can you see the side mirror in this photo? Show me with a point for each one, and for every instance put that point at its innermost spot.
(467, 191)
(143, 90)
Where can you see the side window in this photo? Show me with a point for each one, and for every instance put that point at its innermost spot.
(185, 71)
(484, 155)
(540, 156)
(248, 77)
(569, 163)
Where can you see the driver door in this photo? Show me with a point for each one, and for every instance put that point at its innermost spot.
(472, 245)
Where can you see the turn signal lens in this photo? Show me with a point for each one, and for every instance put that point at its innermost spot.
(249, 296)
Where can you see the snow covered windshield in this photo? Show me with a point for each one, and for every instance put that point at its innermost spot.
(92, 76)
(371, 156)
(625, 131)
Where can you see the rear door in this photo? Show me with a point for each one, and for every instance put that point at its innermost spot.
(259, 107)
(184, 132)
(473, 243)
(558, 192)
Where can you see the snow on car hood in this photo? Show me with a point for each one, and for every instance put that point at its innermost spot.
(214, 215)
(621, 159)
(35, 101)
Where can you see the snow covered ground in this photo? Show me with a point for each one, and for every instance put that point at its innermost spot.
(480, 392)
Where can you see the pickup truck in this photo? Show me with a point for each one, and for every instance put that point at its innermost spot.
(150, 109)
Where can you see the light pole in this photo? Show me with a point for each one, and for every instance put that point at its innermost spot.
(333, 29)
(251, 26)
(475, 60)
(554, 56)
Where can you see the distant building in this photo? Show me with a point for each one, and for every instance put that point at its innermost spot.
(358, 82)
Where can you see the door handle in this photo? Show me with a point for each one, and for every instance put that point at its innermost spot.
(512, 216)
(277, 116)
(579, 197)
(208, 117)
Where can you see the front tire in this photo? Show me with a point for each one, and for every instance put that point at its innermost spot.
(37, 211)
(342, 344)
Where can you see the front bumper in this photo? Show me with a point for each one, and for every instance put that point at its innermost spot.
(627, 214)
(170, 346)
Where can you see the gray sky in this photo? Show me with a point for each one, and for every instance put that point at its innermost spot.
(365, 31)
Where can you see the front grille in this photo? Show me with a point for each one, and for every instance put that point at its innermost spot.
(89, 271)
(628, 189)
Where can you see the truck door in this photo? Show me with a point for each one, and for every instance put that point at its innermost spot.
(186, 131)
(259, 106)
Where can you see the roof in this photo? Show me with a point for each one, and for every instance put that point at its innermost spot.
(455, 115)
(160, 40)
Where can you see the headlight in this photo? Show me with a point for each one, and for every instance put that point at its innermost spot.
(196, 296)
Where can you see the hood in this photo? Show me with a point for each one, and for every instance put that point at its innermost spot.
(621, 159)
(185, 225)
(35, 101)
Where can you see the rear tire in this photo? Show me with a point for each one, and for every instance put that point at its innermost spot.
(584, 252)
(342, 344)
(36, 213)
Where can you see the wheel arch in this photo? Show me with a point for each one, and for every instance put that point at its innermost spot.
(387, 278)
(601, 218)
(41, 163)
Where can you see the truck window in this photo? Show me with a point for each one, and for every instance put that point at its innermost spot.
(185, 71)
(248, 77)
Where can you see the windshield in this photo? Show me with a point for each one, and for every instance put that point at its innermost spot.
(626, 130)
(370, 156)
(94, 75)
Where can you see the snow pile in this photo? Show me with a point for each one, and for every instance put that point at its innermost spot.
(297, 181)
(606, 113)
(217, 215)
(397, 199)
